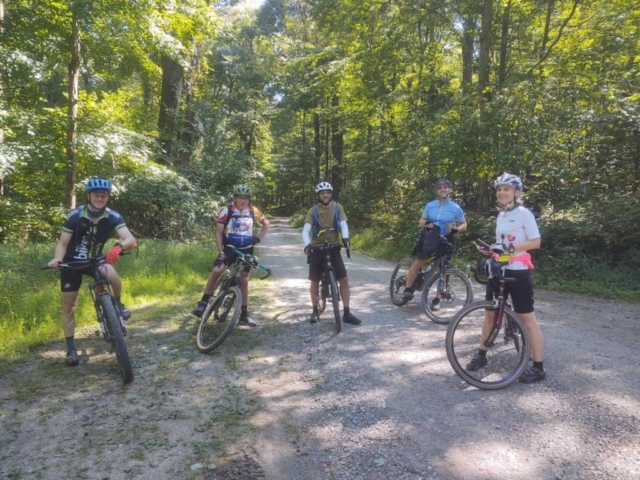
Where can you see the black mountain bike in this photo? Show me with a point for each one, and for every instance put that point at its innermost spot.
(329, 288)
(436, 279)
(504, 337)
(224, 307)
(108, 311)
(479, 271)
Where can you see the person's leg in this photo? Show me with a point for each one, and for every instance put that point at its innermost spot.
(344, 291)
(314, 291)
(413, 272)
(535, 335)
(69, 304)
(243, 283)
(208, 289)
(116, 288)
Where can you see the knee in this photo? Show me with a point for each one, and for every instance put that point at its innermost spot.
(243, 281)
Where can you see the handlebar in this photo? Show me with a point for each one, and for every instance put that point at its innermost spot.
(80, 264)
(252, 261)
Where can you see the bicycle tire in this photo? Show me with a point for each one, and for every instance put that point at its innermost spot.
(398, 281)
(479, 273)
(506, 359)
(451, 300)
(117, 338)
(321, 299)
(219, 319)
(335, 300)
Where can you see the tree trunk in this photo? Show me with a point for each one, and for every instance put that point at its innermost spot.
(467, 53)
(504, 44)
(484, 93)
(317, 145)
(172, 81)
(72, 112)
(1, 94)
(337, 148)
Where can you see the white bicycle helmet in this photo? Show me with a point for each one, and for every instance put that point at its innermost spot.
(510, 180)
(243, 190)
(322, 186)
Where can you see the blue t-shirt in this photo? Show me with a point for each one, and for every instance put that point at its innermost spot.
(442, 213)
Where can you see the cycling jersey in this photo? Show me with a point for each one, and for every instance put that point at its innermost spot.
(443, 213)
(88, 235)
(239, 230)
(326, 222)
(514, 227)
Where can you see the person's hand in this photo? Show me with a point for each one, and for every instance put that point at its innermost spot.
(307, 250)
(54, 263)
(255, 240)
(484, 250)
(113, 254)
(346, 244)
(429, 226)
(219, 260)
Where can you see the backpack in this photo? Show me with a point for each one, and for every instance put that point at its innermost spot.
(315, 228)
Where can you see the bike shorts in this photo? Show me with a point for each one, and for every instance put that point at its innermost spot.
(71, 278)
(315, 265)
(521, 291)
(231, 255)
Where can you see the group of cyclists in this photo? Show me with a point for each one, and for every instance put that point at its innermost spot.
(88, 227)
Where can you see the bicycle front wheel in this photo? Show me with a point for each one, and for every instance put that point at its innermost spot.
(117, 337)
(480, 273)
(321, 299)
(335, 300)
(398, 281)
(507, 357)
(441, 304)
(219, 319)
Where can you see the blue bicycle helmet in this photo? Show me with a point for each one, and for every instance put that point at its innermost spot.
(97, 183)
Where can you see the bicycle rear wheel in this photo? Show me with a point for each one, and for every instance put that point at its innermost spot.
(480, 273)
(507, 358)
(457, 293)
(219, 319)
(399, 281)
(335, 300)
(117, 337)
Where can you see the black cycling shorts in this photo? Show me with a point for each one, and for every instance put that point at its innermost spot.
(521, 291)
(71, 278)
(315, 265)
(230, 255)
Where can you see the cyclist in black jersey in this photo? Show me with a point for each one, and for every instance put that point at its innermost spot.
(84, 233)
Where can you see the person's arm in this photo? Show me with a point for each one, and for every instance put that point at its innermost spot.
(61, 249)
(128, 240)
(265, 227)
(219, 237)
(345, 229)
(528, 245)
(306, 230)
(423, 222)
(462, 226)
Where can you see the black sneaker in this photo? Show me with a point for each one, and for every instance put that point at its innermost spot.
(246, 320)
(407, 294)
(477, 362)
(435, 304)
(315, 317)
(351, 319)
(532, 374)
(72, 358)
(200, 308)
(124, 311)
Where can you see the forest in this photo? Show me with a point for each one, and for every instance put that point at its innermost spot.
(177, 101)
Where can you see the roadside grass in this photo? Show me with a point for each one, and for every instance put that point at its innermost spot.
(160, 274)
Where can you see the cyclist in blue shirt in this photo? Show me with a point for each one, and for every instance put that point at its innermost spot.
(449, 217)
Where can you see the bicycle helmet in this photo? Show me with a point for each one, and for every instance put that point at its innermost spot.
(509, 180)
(323, 186)
(442, 181)
(242, 190)
(97, 183)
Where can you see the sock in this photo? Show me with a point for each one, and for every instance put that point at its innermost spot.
(346, 310)
(205, 298)
(71, 343)
(482, 353)
(244, 310)
(538, 365)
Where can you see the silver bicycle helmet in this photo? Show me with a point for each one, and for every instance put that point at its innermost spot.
(510, 180)
(322, 186)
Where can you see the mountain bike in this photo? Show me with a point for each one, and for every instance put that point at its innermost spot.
(448, 287)
(329, 288)
(504, 336)
(224, 307)
(112, 324)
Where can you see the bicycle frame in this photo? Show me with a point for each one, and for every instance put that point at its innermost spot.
(496, 269)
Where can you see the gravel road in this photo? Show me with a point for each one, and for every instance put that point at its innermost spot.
(291, 400)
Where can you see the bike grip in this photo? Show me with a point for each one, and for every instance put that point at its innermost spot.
(45, 266)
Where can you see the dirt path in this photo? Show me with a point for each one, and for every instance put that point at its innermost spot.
(291, 400)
